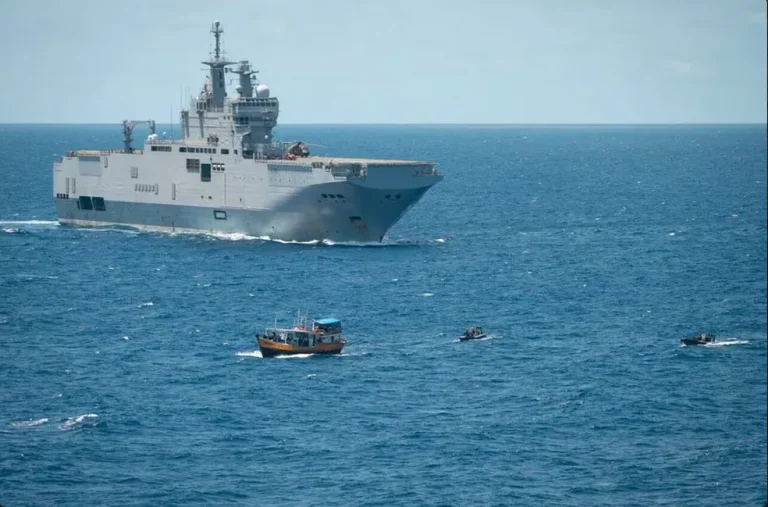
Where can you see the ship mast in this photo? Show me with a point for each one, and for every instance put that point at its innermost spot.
(217, 65)
(217, 30)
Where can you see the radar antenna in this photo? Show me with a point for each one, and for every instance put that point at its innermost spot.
(128, 130)
(247, 78)
(217, 30)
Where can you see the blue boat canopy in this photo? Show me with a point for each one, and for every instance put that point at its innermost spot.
(328, 322)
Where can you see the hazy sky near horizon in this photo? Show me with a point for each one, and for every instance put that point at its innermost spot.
(394, 61)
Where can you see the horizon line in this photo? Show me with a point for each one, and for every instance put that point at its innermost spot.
(458, 124)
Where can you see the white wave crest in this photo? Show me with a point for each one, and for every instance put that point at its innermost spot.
(79, 420)
(29, 222)
(252, 353)
(488, 337)
(232, 236)
(30, 423)
(725, 343)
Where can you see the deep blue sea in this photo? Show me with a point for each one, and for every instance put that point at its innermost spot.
(129, 374)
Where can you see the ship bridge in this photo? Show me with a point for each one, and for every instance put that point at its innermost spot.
(247, 120)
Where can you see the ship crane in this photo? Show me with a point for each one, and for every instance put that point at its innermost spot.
(128, 130)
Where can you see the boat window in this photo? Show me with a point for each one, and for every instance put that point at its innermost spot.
(98, 204)
(86, 203)
(183, 149)
(224, 151)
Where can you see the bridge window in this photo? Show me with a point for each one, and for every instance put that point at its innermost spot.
(193, 165)
(182, 149)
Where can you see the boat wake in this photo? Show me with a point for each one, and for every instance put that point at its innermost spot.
(30, 424)
(30, 222)
(227, 236)
(22, 226)
(238, 236)
(257, 355)
(252, 353)
(489, 337)
(719, 343)
(725, 343)
(81, 420)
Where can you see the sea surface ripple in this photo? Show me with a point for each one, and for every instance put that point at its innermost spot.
(130, 375)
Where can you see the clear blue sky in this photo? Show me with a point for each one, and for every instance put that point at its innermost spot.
(394, 61)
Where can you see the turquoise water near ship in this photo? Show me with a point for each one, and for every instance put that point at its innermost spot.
(130, 374)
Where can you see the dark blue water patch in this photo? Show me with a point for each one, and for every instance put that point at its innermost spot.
(131, 373)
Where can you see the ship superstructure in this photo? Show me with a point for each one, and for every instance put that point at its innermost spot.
(227, 174)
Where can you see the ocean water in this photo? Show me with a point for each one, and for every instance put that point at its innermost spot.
(129, 374)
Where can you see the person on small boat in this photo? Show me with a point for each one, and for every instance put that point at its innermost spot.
(700, 339)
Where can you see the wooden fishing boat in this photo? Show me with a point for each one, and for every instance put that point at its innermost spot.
(320, 337)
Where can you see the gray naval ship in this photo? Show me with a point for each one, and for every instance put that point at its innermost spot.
(227, 175)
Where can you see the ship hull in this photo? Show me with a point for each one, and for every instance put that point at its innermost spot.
(365, 215)
(308, 200)
(269, 348)
(470, 338)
